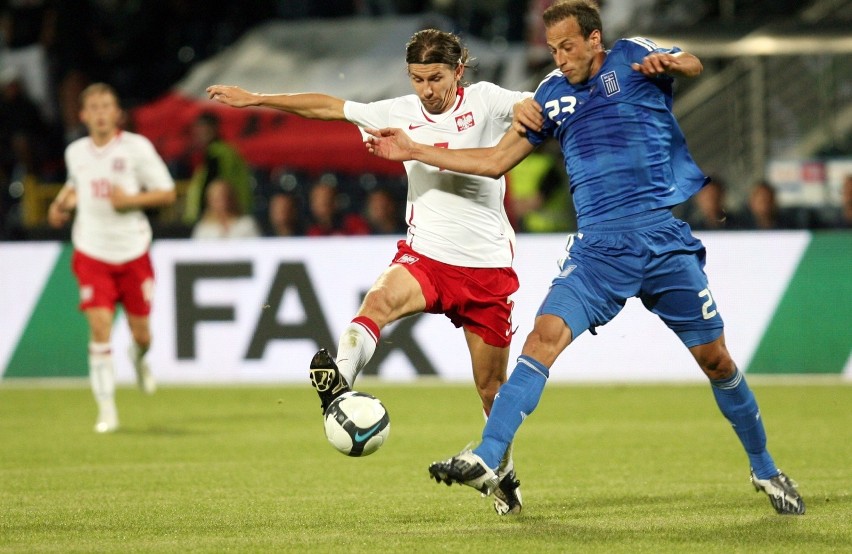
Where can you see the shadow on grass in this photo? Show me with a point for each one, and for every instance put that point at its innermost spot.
(159, 430)
(633, 522)
(207, 424)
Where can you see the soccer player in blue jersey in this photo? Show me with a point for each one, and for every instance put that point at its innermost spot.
(611, 111)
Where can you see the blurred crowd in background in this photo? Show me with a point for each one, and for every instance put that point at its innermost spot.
(52, 49)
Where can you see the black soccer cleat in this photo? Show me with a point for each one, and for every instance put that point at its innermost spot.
(327, 379)
(465, 468)
(782, 493)
(507, 495)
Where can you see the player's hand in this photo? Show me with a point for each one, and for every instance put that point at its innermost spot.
(656, 64)
(391, 144)
(120, 200)
(231, 95)
(58, 215)
(526, 114)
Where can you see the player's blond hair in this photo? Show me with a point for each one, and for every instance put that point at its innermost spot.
(98, 88)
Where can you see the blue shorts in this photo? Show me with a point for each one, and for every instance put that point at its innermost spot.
(652, 256)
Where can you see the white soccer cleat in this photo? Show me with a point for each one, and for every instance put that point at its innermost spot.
(465, 468)
(144, 378)
(107, 419)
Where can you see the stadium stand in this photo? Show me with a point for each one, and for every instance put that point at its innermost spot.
(745, 118)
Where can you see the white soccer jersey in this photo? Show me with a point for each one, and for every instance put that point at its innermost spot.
(128, 161)
(452, 217)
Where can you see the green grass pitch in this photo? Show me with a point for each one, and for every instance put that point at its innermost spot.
(641, 468)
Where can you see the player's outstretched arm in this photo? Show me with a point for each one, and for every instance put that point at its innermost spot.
(308, 104)
(394, 144)
(658, 63)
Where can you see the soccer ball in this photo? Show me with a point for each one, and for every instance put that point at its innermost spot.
(357, 423)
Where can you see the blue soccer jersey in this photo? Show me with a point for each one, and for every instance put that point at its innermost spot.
(624, 150)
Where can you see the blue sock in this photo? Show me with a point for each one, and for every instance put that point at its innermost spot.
(515, 400)
(737, 403)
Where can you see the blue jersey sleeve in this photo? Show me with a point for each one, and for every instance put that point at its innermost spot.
(637, 48)
(541, 96)
(633, 50)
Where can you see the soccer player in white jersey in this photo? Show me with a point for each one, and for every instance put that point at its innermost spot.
(457, 257)
(112, 176)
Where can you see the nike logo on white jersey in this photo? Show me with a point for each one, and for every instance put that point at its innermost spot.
(412, 126)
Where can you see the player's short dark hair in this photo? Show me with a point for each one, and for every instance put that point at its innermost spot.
(586, 12)
(434, 46)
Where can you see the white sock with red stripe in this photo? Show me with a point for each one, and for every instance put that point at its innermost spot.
(356, 347)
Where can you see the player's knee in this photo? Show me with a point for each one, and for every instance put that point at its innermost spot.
(716, 363)
(379, 304)
(99, 332)
(545, 346)
(142, 337)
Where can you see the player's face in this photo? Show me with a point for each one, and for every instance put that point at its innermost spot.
(575, 56)
(101, 114)
(435, 84)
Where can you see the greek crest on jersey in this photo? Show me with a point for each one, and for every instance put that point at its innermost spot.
(610, 81)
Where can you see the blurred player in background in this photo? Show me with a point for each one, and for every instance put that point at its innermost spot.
(629, 165)
(457, 257)
(112, 176)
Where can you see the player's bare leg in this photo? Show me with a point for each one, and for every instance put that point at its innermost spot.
(101, 369)
(395, 294)
(140, 330)
(489, 372)
(738, 405)
(549, 337)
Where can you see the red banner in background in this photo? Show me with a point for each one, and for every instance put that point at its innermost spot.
(266, 138)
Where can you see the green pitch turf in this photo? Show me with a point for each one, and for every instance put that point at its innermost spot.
(641, 468)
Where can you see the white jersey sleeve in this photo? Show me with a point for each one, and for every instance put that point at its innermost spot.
(128, 161)
(152, 172)
(501, 101)
(452, 217)
(374, 115)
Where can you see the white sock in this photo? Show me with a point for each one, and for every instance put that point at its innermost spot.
(357, 345)
(102, 374)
